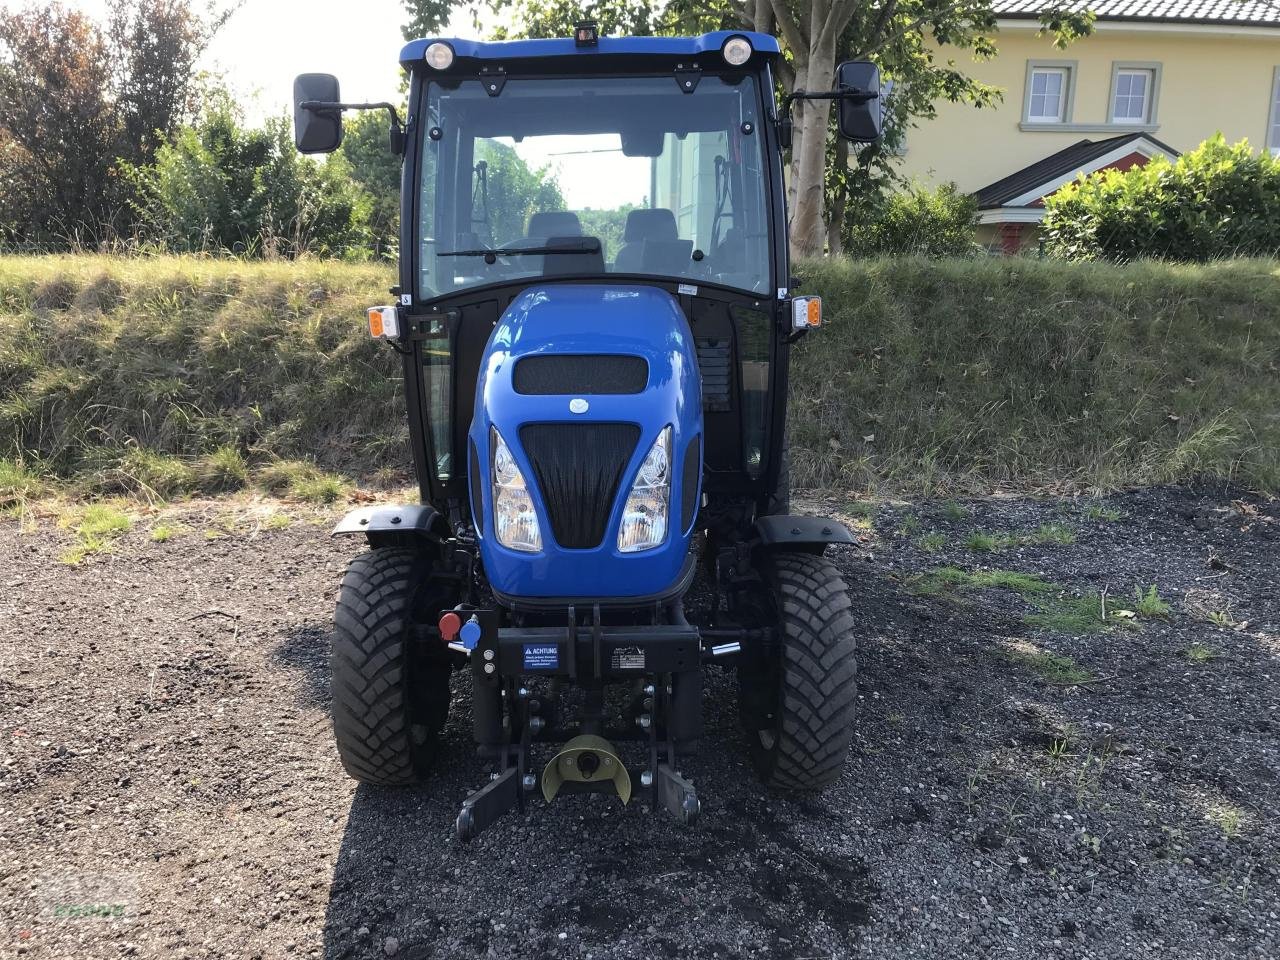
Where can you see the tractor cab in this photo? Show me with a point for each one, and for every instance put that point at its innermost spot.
(594, 313)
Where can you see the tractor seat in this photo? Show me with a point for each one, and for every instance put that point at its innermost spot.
(650, 236)
(554, 223)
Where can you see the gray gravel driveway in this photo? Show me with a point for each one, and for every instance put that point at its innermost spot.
(1023, 784)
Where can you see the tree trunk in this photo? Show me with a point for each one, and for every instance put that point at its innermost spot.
(762, 16)
(797, 136)
(835, 228)
(808, 225)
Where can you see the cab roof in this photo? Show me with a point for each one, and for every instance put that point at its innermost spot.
(708, 43)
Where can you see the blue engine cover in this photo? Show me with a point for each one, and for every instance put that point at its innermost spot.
(578, 319)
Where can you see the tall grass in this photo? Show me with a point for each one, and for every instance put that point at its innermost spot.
(968, 374)
(167, 375)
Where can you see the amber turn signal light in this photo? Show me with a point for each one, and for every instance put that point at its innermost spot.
(806, 312)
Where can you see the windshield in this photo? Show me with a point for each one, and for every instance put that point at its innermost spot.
(583, 176)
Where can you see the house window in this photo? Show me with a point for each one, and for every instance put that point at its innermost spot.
(1274, 132)
(1047, 92)
(1134, 89)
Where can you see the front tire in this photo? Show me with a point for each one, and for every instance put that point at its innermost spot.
(390, 699)
(811, 691)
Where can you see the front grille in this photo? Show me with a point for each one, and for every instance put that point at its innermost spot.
(582, 374)
(578, 467)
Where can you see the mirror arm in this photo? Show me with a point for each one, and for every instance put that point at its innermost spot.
(844, 93)
(397, 128)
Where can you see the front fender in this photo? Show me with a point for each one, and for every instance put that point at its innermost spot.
(419, 519)
(801, 534)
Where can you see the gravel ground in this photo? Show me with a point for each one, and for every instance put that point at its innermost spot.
(167, 759)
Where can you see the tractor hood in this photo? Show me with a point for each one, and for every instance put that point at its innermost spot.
(580, 381)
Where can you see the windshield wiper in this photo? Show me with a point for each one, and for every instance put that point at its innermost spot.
(586, 246)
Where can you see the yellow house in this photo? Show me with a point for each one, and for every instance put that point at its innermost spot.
(1155, 77)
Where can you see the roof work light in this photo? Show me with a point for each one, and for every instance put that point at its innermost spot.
(439, 56)
(586, 33)
(736, 51)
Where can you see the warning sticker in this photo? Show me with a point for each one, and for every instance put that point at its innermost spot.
(627, 658)
(541, 656)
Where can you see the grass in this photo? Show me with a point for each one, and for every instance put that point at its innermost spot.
(172, 374)
(1052, 533)
(1089, 613)
(165, 531)
(1150, 604)
(18, 485)
(1048, 666)
(1229, 819)
(224, 469)
(302, 480)
(1053, 608)
(1200, 653)
(982, 542)
(1095, 376)
(1101, 512)
(933, 542)
(954, 512)
(322, 489)
(95, 526)
(909, 526)
(175, 375)
(101, 520)
(1073, 615)
(946, 578)
(1221, 618)
(1044, 535)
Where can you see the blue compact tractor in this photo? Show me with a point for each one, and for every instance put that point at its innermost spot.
(594, 313)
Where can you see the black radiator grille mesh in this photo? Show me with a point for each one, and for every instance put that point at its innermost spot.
(580, 373)
(578, 468)
(713, 364)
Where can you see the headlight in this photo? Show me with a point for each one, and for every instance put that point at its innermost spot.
(737, 51)
(515, 523)
(644, 518)
(439, 56)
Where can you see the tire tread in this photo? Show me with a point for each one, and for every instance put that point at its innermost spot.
(368, 661)
(819, 674)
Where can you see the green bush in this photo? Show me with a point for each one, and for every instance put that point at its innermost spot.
(222, 187)
(1217, 201)
(916, 221)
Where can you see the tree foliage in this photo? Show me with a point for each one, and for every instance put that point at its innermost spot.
(1220, 200)
(74, 97)
(58, 126)
(155, 44)
(220, 187)
(515, 190)
(377, 170)
(915, 42)
(917, 221)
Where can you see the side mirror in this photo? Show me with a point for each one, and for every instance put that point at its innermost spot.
(861, 114)
(317, 119)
